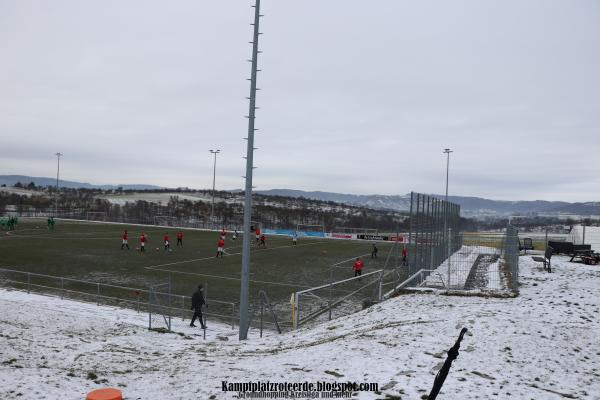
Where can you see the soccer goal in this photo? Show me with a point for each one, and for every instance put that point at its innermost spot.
(95, 216)
(316, 230)
(365, 231)
(165, 220)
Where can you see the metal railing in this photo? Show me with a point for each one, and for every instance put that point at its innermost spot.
(308, 304)
(137, 299)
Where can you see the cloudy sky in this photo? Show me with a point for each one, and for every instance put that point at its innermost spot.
(357, 97)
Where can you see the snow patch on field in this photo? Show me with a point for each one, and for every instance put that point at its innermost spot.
(541, 345)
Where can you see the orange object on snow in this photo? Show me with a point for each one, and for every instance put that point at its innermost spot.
(104, 394)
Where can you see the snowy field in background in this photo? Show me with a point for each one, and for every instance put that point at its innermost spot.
(158, 197)
(543, 344)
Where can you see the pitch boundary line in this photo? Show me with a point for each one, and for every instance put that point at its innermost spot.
(229, 278)
(154, 267)
(336, 265)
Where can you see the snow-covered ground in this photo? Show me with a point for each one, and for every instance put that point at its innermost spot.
(159, 197)
(541, 345)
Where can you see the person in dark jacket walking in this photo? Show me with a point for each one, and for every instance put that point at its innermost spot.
(197, 302)
(374, 251)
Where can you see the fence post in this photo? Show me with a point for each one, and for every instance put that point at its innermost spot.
(62, 288)
(150, 308)
(28, 283)
(232, 315)
(330, 290)
(261, 318)
(295, 312)
(206, 301)
(98, 295)
(449, 254)
(169, 303)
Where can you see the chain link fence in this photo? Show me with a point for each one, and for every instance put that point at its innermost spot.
(165, 310)
(485, 263)
(434, 232)
(441, 256)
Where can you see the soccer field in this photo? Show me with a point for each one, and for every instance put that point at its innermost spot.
(92, 252)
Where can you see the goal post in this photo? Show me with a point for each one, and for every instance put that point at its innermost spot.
(95, 216)
(356, 230)
(310, 228)
(165, 220)
(316, 230)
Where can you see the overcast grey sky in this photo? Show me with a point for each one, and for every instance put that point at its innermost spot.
(357, 97)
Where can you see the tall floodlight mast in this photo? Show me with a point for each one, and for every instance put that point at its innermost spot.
(446, 207)
(212, 207)
(58, 155)
(245, 274)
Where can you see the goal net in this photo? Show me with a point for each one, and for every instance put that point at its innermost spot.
(95, 216)
(165, 220)
(365, 231)
(310, 229)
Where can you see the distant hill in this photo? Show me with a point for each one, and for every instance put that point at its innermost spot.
(470, 206)
(10, 180)
(474, 207)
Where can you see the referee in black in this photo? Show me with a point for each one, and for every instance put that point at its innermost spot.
(197, 302)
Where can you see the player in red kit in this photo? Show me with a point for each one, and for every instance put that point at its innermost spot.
(257, 234)
(223, 234)
(179, 239)
(358, 267)
(125, 240)
(220, 248)
(263, 241)
(143, 242)
(167, 243)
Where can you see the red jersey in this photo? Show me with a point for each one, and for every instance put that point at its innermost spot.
(358, 265)
(262, 238)
(404, 252)
(257, 232)
(143, 239)
(179, 235)
(125, 236)
(223, 232)
(166, 238)
(221, 243)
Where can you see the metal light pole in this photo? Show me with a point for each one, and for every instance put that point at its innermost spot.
(245, 273)
(58, 155)
(446, 236)
(447, 152)
(212, 209)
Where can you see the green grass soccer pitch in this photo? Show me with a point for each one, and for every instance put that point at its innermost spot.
(92, 252)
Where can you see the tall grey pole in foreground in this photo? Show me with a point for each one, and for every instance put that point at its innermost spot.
(446, 209)
(212, 208)
(245, 278)
(447, 152)
(58, 155)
